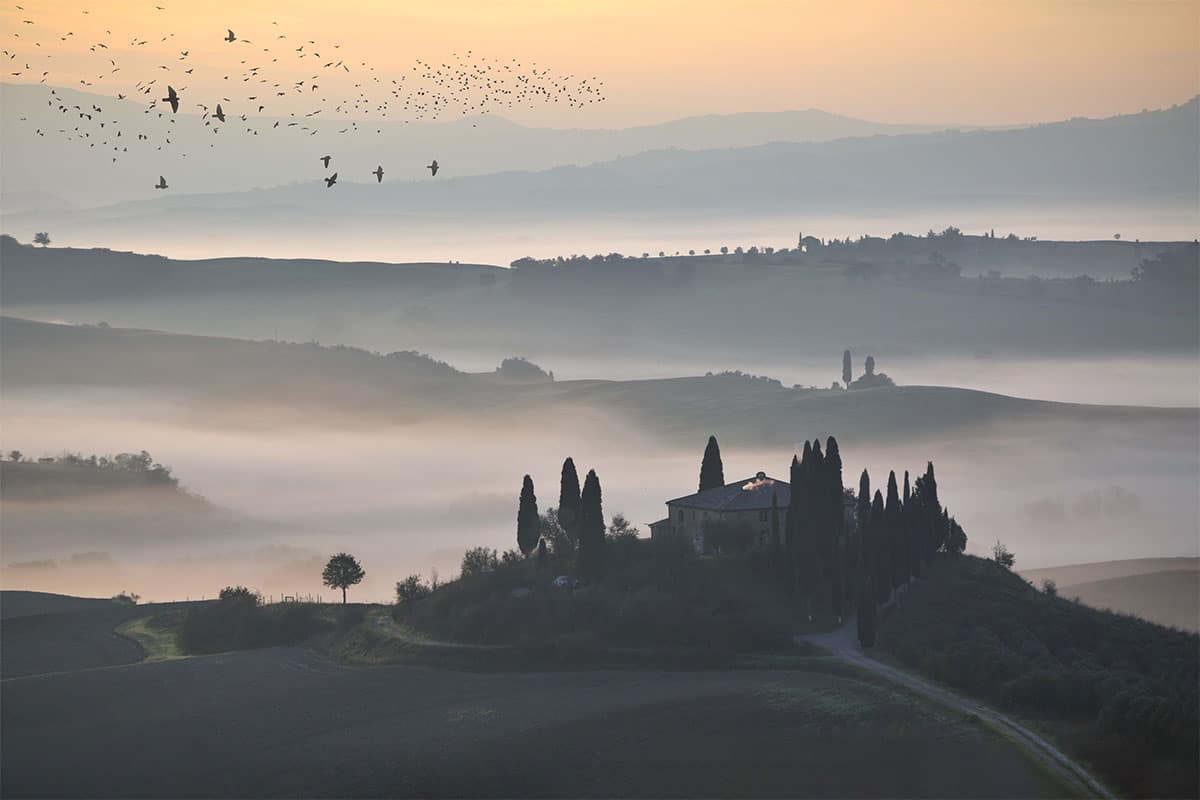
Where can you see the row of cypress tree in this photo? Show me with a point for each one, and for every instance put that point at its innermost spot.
(838, 550)
(898, 537)
(580, 512)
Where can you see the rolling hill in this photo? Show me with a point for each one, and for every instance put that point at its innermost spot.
(342, 385)
(1162, 590)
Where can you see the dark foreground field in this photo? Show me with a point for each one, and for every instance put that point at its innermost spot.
(288, 722)
(44, 633)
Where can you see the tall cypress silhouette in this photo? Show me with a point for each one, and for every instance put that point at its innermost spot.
(528, 525)
(791, 533)
(933, 513)
(568, 500)
(816, 563)
(591, 528)
(859, 550)
(836, 547)
(712, 472)
(881, 553)
(847, 369)
(911, 539)
(897, 546)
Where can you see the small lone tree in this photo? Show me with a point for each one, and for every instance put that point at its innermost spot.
(1002, 556)
(847, 370)
(869, 366)
(712, 472)
(529, 529)
(42, 238)
(342, 572)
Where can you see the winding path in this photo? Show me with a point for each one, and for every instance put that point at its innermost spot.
(843, 644)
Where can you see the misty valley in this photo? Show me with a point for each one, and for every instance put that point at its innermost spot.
(561, 405)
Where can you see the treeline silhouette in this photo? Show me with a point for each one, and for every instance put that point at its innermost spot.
(140, 465)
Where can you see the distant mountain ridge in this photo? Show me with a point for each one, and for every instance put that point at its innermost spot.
(1150, 159)
(467, 146)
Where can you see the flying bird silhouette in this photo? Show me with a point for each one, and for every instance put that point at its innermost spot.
(433, 168)
(230, 37)
(330, 181)
(378, 173)
(325, 160)
(172, 98)
(220, 114)
(162, 183)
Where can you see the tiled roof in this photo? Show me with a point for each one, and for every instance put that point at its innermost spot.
(751, 494)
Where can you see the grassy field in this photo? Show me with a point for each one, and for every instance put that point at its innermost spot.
(157, 635)
(286, 722)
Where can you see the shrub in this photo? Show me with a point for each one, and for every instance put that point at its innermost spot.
(479, 560)
(222, 626)
(410, 590)
(240, 594)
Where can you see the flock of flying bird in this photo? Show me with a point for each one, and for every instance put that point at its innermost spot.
(471, 84)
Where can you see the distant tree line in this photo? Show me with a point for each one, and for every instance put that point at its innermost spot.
(141, 463)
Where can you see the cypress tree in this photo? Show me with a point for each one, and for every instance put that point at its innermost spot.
(568, 500)
(933, 513)
(799, 514)
(911, 514)
(543, 556)
(847, 369)
(863, 509)
(881, 553)
(712, 472)
(591, 529)
(833, 492)
(791, 535)
(859, 550)
(528, 526)
(896, 543)
(816, 562)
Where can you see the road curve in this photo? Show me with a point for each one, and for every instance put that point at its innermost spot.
(843, 644)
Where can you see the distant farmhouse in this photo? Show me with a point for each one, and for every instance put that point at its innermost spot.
(751, 510)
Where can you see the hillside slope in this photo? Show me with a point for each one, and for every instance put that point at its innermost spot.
(1117, 692)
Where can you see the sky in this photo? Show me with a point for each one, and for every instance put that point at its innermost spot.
(985, 63)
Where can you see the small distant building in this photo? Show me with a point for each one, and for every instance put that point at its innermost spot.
(746, 505)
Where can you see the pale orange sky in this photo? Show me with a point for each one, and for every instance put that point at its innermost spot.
(954, 62)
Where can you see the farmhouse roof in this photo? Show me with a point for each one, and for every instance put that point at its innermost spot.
(749, 494)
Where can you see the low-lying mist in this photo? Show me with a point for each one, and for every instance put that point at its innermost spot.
(410, 498)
